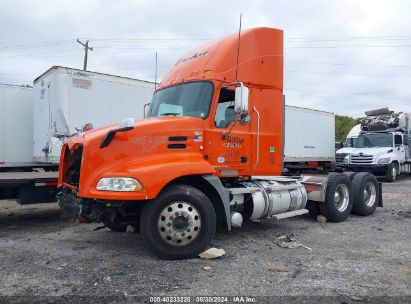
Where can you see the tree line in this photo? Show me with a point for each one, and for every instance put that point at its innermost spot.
(343, 125)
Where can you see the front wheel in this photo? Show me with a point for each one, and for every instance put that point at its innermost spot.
(179, 223)
(392, 173)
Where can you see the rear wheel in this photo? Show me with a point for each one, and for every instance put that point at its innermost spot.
(338, 198)
(392, 173)
(365, 192)
(179, 223)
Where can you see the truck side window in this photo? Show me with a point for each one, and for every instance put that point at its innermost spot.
(225, 109)
(398, 140)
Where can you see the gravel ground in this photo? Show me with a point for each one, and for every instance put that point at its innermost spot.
(362, 259)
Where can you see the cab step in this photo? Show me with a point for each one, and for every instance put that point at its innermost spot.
(289, 214)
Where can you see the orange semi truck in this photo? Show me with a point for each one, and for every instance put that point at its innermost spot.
(209, 152)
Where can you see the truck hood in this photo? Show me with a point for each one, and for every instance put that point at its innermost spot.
(344, 150)
(153, 126)
(148, 152)
(377, 151)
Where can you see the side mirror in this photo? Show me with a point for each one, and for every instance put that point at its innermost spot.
(241, 100)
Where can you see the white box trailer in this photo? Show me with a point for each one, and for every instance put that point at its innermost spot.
(309, 135)
(67, 99)
(16, 124)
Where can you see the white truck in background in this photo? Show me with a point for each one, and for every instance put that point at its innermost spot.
(382, 147)
(348, 145)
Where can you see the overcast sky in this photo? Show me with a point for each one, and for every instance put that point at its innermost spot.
(341, 56)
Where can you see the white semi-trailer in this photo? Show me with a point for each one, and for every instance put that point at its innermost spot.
(16, 123)
(309, 147)
(68, 101)
(64, 102)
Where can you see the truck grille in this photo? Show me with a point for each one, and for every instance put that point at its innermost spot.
(339, 157)
(361, 159)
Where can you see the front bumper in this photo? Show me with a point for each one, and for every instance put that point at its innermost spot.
(74, 208)
(375, 169)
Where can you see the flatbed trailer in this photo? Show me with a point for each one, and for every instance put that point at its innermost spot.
(29, 187)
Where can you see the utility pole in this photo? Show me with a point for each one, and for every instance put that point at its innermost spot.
(86, 48)
(155, 74)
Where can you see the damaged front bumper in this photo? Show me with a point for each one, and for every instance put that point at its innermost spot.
(72, 208)
(85, 210)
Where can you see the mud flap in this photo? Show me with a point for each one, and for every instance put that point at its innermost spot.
(380, 204)
(215, 182)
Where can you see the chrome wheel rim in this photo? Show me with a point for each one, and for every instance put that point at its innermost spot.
(394, 172)
(370, 194)
(341, 197)
(179, 223)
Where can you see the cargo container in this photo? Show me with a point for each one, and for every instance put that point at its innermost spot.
(312, 143)
(68, 101)
(16, 125)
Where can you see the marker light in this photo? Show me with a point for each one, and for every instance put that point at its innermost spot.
(122, 184)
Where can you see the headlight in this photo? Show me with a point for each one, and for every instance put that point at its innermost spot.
(384, 160)
(119, 184)
(346, 159)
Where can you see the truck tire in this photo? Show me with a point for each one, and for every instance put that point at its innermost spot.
(338, 198)
(365, 193)
(179, 223)
(313, 209)
(392, 173)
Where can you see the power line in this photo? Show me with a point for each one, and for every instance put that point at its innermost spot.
(348, 64)
(349, 74)
(346, 46)
(311, 92)
(35, 45)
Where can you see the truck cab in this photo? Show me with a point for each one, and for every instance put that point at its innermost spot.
(382, 153)
(348, 145)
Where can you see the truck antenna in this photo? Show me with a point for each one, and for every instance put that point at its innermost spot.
(155, 74)
(238, 48)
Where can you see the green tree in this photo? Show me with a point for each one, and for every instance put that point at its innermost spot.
(343, 125)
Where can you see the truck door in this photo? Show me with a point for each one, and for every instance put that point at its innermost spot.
(399, 147)
(227, 142)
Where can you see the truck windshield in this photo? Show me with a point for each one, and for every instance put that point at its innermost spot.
(188, 99)
(374, 140)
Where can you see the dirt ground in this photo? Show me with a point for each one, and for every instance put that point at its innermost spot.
(362, 259)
